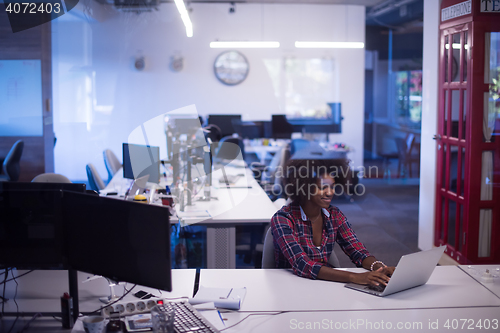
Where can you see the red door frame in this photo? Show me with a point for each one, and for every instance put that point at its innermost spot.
(477, 24)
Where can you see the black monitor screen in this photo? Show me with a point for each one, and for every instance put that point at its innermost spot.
(139, 160)
(224, 122)
(31, 229)
(75, 187)
(121, 240)
(281, 128)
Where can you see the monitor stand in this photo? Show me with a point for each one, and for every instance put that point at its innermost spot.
(73, 292)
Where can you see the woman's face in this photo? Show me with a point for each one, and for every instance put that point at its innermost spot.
(325, 190)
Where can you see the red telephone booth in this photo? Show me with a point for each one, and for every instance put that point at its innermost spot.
(468, 134)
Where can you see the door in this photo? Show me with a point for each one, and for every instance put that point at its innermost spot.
(453, 142)
(31, 50)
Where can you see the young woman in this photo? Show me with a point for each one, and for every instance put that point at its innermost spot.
(305, 231)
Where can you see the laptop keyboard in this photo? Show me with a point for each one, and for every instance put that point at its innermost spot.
(380, 288)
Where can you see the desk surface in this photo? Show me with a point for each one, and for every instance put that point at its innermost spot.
(404, 320)
(40, 291)
(281, 290)
(477, 271)
(451, 301)
(236, 204)
(243, 202)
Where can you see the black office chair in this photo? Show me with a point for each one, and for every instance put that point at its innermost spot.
(213, 133)
(11, 164)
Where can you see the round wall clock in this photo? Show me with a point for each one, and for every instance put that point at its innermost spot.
(231, 67)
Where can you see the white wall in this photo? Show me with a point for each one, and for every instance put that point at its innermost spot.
(99, 98)
(429, 125)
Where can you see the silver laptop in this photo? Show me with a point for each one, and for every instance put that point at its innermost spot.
(137, 184)
(413, 270)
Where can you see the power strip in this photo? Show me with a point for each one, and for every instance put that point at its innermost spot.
(126, 308)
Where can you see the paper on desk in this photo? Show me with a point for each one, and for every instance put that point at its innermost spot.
(228, 298)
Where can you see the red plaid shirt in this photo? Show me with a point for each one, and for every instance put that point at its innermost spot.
(293, 240)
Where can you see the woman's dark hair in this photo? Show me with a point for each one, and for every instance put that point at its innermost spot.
(301, 175)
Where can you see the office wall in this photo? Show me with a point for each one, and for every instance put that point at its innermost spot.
(100, 98)
(427, 200)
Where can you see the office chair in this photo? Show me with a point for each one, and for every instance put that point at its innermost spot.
(50, 178)
(273, 177)
(11, 163)
(299, 144)
(268, 253)
(407, 154)
(95, 181)
(112, 163)
(213, 132)
(230, 147)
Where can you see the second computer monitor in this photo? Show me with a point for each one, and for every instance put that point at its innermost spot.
(121, 240)
(224, 122)
(141, 160)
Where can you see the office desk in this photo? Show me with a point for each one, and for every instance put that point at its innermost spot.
(476, 271)
(281, 290)
(40, 291)
(263, 151)
(244, 203)
(278, 301)
(400, 320)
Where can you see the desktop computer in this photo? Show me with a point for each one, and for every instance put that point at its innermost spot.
(224, 122)
(141, 160)
(60, 229)
(121, 240)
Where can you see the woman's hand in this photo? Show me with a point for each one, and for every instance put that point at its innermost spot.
(375, 278)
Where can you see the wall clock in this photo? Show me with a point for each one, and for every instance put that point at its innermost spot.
(231, 67)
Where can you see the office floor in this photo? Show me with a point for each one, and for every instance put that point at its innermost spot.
(385, 219)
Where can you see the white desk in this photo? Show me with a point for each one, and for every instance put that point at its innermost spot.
(476, 271)
(238, 205)
(40, 291)
(242, 204)
(281, 290)
(278, 301)
(263, 151)
(404, 320)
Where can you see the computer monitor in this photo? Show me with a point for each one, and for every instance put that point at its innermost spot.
(224, 122)
(31, 228)
(75, 187)
(141, 160)
(281, 128)
(122, 240)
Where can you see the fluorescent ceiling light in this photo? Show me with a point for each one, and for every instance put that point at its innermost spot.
(242, 45)
(456, 46)
(185, 17)
(329, 45)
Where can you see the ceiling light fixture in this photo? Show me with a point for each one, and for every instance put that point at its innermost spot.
(456, 46)
(244, 45)
(181, 7)
(329, 45)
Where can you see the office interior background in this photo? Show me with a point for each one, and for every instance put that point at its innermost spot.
(386, 90)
